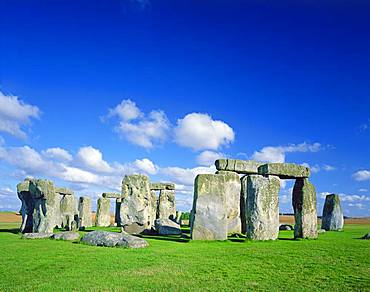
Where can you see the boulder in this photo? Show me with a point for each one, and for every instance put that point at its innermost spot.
(113, 239)
(286, 227)
(37, 235)
(103, 212)
(136, 205)
(304, 206)
(262, 207)
(284, 170)
(162, 186)
(166, 205)
(67, 235)
(84, 209)
(332, 217)
(238, 166)
(167, 227)
(209, 212)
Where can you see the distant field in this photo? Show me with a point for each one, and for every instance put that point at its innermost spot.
(337, 261)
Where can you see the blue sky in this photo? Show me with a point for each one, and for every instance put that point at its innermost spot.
(93, 90)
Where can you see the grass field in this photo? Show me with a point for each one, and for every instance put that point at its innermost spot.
(336, 261)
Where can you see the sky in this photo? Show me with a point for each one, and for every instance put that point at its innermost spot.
(93, 90)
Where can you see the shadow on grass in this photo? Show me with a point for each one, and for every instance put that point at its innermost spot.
(165, 238)
(10, 230)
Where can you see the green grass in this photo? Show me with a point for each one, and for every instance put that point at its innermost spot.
(336, 261)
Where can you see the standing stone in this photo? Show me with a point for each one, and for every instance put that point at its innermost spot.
(262, 207)
(233, 190)
(166, 205)
(27, 206)
(103, 212)
(332, 217)
(153, 207)
(68, 210)
(136, 205)
(305, 212)
(46, 204)
(243, 204)
(209, 212)
(117, 214)
(84, 209)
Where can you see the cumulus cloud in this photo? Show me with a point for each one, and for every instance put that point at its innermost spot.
(146, 166)
(57, 153)
(126, 111)
(278, 153)
(208, 158)
(14, 114)
(92, 158)
(361, 175)
(200, 132)
(186, 176)
(316, 168)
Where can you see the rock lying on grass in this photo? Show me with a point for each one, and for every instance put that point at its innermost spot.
(113, 239)
(68, 235)
(321, 231)
(286, 227)
(38, 235)
(366, 236)
(167, 227)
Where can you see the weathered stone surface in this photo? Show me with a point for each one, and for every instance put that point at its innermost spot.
(166, 205)
(153, 207)
(84, 210)
(366, 236)
(112, 195)
(286, 227)
(162, 186)
(238, 166)
(243, 204)
(136, 203)
(209, 212)
(27, 206)
(103, 212)
(332, 217)
(68, 210)
(233, 190)
(113, 239)
(37, 235)
(305, 212)
(262, 207)
(117, 214)
(284, 170)
(64, 191)
(68, 235)
(167, 227)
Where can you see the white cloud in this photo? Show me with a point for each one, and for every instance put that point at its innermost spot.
(363, 190)
(186, 176)
(327, 167)
(73, 174)
(57, 153)
(92, 158)
(126, 111)
(277, 153)
(145, 165)
(357, 205)
(7, 192)
(361, 175)
(14, 113)
(208, 158)
(347, 198)
(199, 132)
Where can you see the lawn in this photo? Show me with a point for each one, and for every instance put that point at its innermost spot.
(336, 261)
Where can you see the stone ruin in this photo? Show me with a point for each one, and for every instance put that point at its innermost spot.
(243, 197)
(332, 217)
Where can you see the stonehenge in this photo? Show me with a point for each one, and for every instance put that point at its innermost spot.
(243, 197)
(103, 212)
(84, 211)
(332, 217)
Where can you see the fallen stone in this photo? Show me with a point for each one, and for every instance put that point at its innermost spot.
(304, 206)
(113, 239)
(366, 236)
(38, 235)
(262, 207)
(238, 166)
(332, 217)
(284, 170)
(167, 227)
(103, 212)
(209, 212)
(162, 186)
(67, 235)
(286, 227)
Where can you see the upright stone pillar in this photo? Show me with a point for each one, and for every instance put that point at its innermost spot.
(27, 206)
(153, 207)
(103, 212)
(117, 215)
(305, 212)
(209, 212)
(68, 211)
(262, 207)
(84, 209)
(166, 205)
(332, 217)
(243, 203)
(136, 206)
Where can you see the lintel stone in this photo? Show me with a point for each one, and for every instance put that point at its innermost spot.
(238, 166)
(162, 186)
(112, 195)
(64, 191)
(284, 170)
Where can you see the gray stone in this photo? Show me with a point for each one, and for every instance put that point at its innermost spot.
(27, 206)
(243, 204)
(68, 210)
(366, 236)
(136, 205)
(153, 207)
(74, 226)
(321, 231)
(37, 235)
(112, 195)
(167, 227)
(103, 212)
(64, 191)
(285, 170)
(67, 235)
(332, 217)
(305, 212)
(84, 209)
(166, 205)
(286, 227)
(262, 207)
(238, 166)
(209, 212)
(162, 186)
(113, 239)
(117, 214)
(233, 190)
